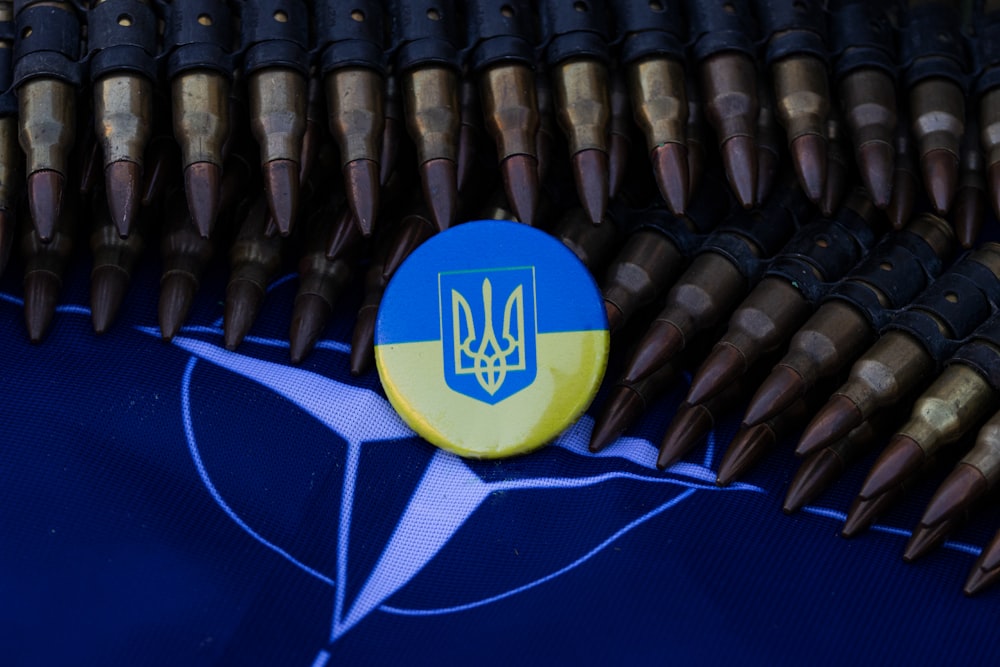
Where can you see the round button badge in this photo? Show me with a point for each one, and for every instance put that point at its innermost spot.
(491, 339)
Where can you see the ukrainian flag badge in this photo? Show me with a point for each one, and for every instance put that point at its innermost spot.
(491, 339)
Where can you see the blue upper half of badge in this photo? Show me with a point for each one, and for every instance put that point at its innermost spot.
(489, 276)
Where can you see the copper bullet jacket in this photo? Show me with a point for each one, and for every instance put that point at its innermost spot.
(47, 113)
(802, 98)
(278, 112)
(659, 100)
(356, 112)
(430, 97)
(592, 244)
(583, 104)
(510, 108)
(201, 115)
(123, 109)
(937, 113)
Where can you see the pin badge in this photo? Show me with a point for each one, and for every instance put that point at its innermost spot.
(491, 339)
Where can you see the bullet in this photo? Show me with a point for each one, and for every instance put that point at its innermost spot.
(501, 58)
(428, 67)
(716, 282)
(927, 538)
(768, 143)
(818, 255)
(254, 260)
(970, 201)
(45, 264)
(795, 52)
(648, 262)
(838, 166)
(723, 36)
(865, 511)
(907, 355)
(652, 55)
(934, 61)
(577, 55)
(905, 182)
(275, 41)
(122, 36)
(620, 136)
(46, 76)
(321, 282)
(846, 322)
(751, 443)
(626, 403)
(692, 422)
(114, 260)
(198, 37)
(958, 400)
(9, 150)
(864, 68)
(822, 468)
(185, 254)
(353, 68)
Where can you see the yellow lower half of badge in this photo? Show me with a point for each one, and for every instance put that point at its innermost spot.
(570, 368)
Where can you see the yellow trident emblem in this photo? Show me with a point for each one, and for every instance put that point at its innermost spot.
(490, 360)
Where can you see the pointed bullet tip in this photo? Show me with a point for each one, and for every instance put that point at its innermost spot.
(690, 424)
(809, 157)
(590, 171)
(520, 180)
(957, 492)
(309, 317)
(243, 300)
(876, 160)
(201, 184)
(749, 444)
(940, 169)
(739, 157)
(177, 291)
(833, 421)
(661, 343)
(45, 196)
(108, 285)
(812, 478)
(979, 579)
(281, 183)
(723, 366)
(778, 391)
(901, 458)
(41, 294)
(670, 166)
(362, 188)
(122, 180)
(440, 183)
(925, 539)
(622, 408)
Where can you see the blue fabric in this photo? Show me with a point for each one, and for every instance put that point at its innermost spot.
(177, 504)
